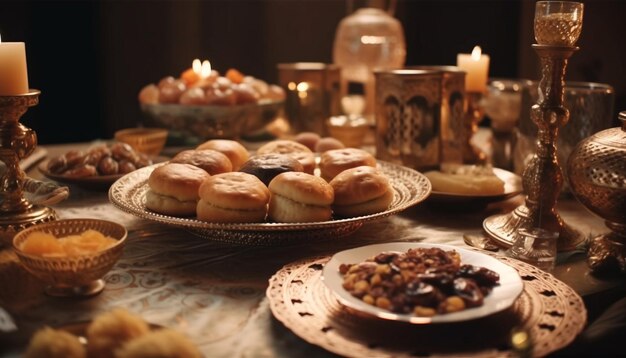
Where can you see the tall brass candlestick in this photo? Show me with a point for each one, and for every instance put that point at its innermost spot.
(557, 27)
(17, 142)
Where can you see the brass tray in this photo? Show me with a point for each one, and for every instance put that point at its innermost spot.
(548, 310)
(410, 187)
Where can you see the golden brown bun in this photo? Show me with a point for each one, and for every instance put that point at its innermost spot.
(236, 152)
(302, 187)
(174, 189)
(233, 197)
(361, 191)
(300, 197)
(169, 205)
(286, 210)
(159, 343)
(267, 166)
(299, 151)
(212, 161)
(373, 206)
(333, 162)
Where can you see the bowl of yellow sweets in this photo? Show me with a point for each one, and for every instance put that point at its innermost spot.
(71, 256)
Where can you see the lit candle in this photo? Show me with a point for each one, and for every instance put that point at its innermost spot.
(198, 74)
(477, 67)
(13, 74)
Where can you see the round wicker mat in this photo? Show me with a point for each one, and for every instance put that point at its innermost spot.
(548, 309)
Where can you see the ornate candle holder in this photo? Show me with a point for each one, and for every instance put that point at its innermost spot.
(475, 112)
(17, 142)
(557, 27)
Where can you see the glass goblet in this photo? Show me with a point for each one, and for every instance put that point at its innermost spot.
(502, 104)
(558, 23)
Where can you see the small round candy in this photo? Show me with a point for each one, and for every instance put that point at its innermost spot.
(149, 94)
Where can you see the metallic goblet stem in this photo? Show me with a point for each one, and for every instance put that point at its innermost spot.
(543, 177)
(17, 142)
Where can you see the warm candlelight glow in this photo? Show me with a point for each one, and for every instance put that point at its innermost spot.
(303, 86)
(197, 66)
(476, 52)
(476, 65)
(206, 69)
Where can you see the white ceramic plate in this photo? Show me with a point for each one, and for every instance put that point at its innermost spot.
(500, 298)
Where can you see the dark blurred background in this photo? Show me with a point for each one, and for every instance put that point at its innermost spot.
(90, 59)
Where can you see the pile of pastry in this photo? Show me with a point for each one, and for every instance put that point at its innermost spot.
(192, 88)
(117, 333)
(219, 182)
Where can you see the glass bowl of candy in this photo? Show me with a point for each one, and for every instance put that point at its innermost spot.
(202, 104)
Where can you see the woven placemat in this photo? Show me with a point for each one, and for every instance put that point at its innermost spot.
(548, 309)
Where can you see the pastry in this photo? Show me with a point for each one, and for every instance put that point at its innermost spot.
(236, 152)
(300, 197)
(466, 180)
(52, 343)
(233, 197)
(267, 166)
(109, 331)
(212, 161)
(174, 189)
(361, 191)
(333, 162)
(299, 151)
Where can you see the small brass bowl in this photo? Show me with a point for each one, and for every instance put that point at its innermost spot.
(72, 276)
(149, 141)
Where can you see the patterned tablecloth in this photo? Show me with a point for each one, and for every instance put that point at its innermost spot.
(216, 293)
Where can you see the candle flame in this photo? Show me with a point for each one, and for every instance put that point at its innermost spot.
(302, 87)
(206, 69)
(197, 66)
(476, 53)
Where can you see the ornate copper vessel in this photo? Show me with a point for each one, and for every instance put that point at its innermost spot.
(597, 176)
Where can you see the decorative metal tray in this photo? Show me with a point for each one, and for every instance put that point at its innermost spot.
(548, 310)
(410, 187)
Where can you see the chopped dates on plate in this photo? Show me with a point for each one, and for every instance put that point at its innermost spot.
(421, 281)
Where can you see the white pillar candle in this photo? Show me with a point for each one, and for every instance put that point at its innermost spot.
(477, 67)
(13, 74)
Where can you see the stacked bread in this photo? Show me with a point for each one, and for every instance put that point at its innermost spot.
(277, 184)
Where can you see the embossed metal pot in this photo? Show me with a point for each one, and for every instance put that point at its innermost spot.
(597, 176)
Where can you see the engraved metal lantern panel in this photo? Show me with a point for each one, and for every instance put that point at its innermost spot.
(408, 110)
